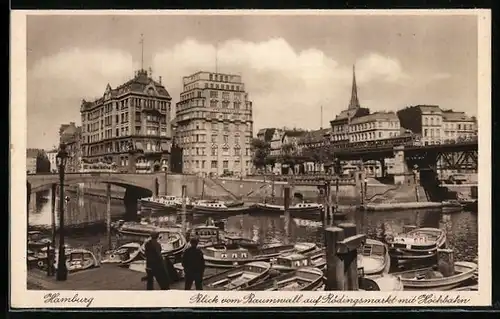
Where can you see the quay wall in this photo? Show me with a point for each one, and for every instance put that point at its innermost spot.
(251, 189)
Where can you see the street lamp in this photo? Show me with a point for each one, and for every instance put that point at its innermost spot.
(62, 271)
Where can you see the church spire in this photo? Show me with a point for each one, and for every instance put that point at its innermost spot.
(354, 104)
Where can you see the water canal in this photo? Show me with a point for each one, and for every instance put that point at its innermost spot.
(461, 227)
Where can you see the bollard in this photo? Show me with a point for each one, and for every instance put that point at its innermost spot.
(446, 262)
(350, 259)
(336, 194)
(286, 195)
(334, 264)
(408, 228)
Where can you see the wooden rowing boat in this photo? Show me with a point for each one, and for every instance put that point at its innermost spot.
(238, 278)
(417, 244)
(123, 254)
(301, 279)
(373, 258)
(78, 259)
(431, 279)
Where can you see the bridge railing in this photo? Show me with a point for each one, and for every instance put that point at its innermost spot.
(305, 179)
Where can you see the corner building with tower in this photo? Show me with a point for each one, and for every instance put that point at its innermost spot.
(129, 126)
(214, 125)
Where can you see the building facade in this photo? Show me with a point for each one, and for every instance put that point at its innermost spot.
(340, 125)
(214, 125)
(276, 142)
(425, 120)
(458, 126)
(375, 126)
(36, 161)
(31, 164)
(51, 155)
(129, 122)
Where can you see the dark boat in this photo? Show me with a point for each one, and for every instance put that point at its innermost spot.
(123, 254)
(238, 278)
(302, 279)
(300, 208)
(431, 279)
(231, 253)
(470, 205)
(417, 244)
(37, 240)
(171, 239)
(218, 207)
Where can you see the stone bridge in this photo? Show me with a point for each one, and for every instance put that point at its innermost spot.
(154, 183)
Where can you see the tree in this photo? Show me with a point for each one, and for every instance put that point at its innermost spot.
(261, 151)
(287, 154)
(42, 163)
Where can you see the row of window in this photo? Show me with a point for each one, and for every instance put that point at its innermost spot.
(198, 125)
(373, 125)
(121, 118)
(213, 164)
(373, 136)
(200, 151)
(459, 126)
(125, 103)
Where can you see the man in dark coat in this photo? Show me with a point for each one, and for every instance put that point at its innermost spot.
(194, 266)
(155, 266)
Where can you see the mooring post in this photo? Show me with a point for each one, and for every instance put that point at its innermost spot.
(335, 277)
(330, 201)
(337, 193)
(350, 259)
(183, 212)
(108, 214)
(53, 190)
(49, 260)
(286, 195)
(446, 262)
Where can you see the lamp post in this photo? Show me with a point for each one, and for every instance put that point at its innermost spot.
(62, 271)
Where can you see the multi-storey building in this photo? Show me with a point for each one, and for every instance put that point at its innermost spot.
(426, 120)
(276, 142)
(133, 120)
(340, 125)
(51, 155)
(31, 159)
(214, 124)
(457, 126)
(375, 126)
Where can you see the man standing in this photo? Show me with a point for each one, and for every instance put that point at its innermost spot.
(194, 266)
(155, 267)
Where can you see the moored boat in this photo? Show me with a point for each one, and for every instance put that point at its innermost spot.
(383, 282)
(217, 207)
(123, 254)
(431, 279)
(470, 205)
(373, 258)
(238, 278)
(303, 207)
(78, 259)
(160, 202)
(291, 261)
(171, 239)
(301, 279)
(417, 244)
(206, 234)
(37, 240)
(451, 206)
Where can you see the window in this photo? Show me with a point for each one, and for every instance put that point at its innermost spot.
(214, 139)
(225, 164)
(226, 127)
(226, 138)
(236, 151)
(213, 164)
(425, 132)
(214, 151)
(426, 121)
(214, 94)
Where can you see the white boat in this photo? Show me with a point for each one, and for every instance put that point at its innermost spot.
(78, 259)
(123, 254)
(301, 279)
(373, 258)
(431, 279)
(303, 207)
(161, 202)
(417, 244)
(238, 278)
(217, 207)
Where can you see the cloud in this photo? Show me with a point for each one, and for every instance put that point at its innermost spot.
(287, 86)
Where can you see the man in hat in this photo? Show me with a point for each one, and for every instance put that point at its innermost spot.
(155, 267)
(194, 266)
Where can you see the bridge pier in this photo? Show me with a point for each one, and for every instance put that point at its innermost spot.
(401, 171)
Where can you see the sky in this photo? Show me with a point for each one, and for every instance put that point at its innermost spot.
(292, 66)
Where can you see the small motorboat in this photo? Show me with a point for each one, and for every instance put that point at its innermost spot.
(301, 279)
(160, 202)
(417, 244)
(303, 207)
(123, 254)
(291, 261)
(78, 260)
(373, 257)
(431, 279)
(218, 207)
(171, 239)
(231, 253)
(238, 278)
(37, 240)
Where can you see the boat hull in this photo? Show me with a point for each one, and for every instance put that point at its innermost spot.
(233, 280)
(281, 209)
(306, 278)
(155, 205)
(263, 254)
(236, 210)
(414, 251)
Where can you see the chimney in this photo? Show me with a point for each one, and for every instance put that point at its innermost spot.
(160, 78)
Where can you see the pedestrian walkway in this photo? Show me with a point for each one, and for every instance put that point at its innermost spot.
(106, 277)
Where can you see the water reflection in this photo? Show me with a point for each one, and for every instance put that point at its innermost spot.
(461, 228)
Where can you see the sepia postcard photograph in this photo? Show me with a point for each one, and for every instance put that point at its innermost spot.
(250, 158)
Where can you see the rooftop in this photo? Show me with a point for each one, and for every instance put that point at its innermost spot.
(451, 116)
(377, 116)
(315, 136)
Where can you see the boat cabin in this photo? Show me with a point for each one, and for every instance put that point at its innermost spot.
(212, 204)
(294, 261)
(36, 235)
(308, 205)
